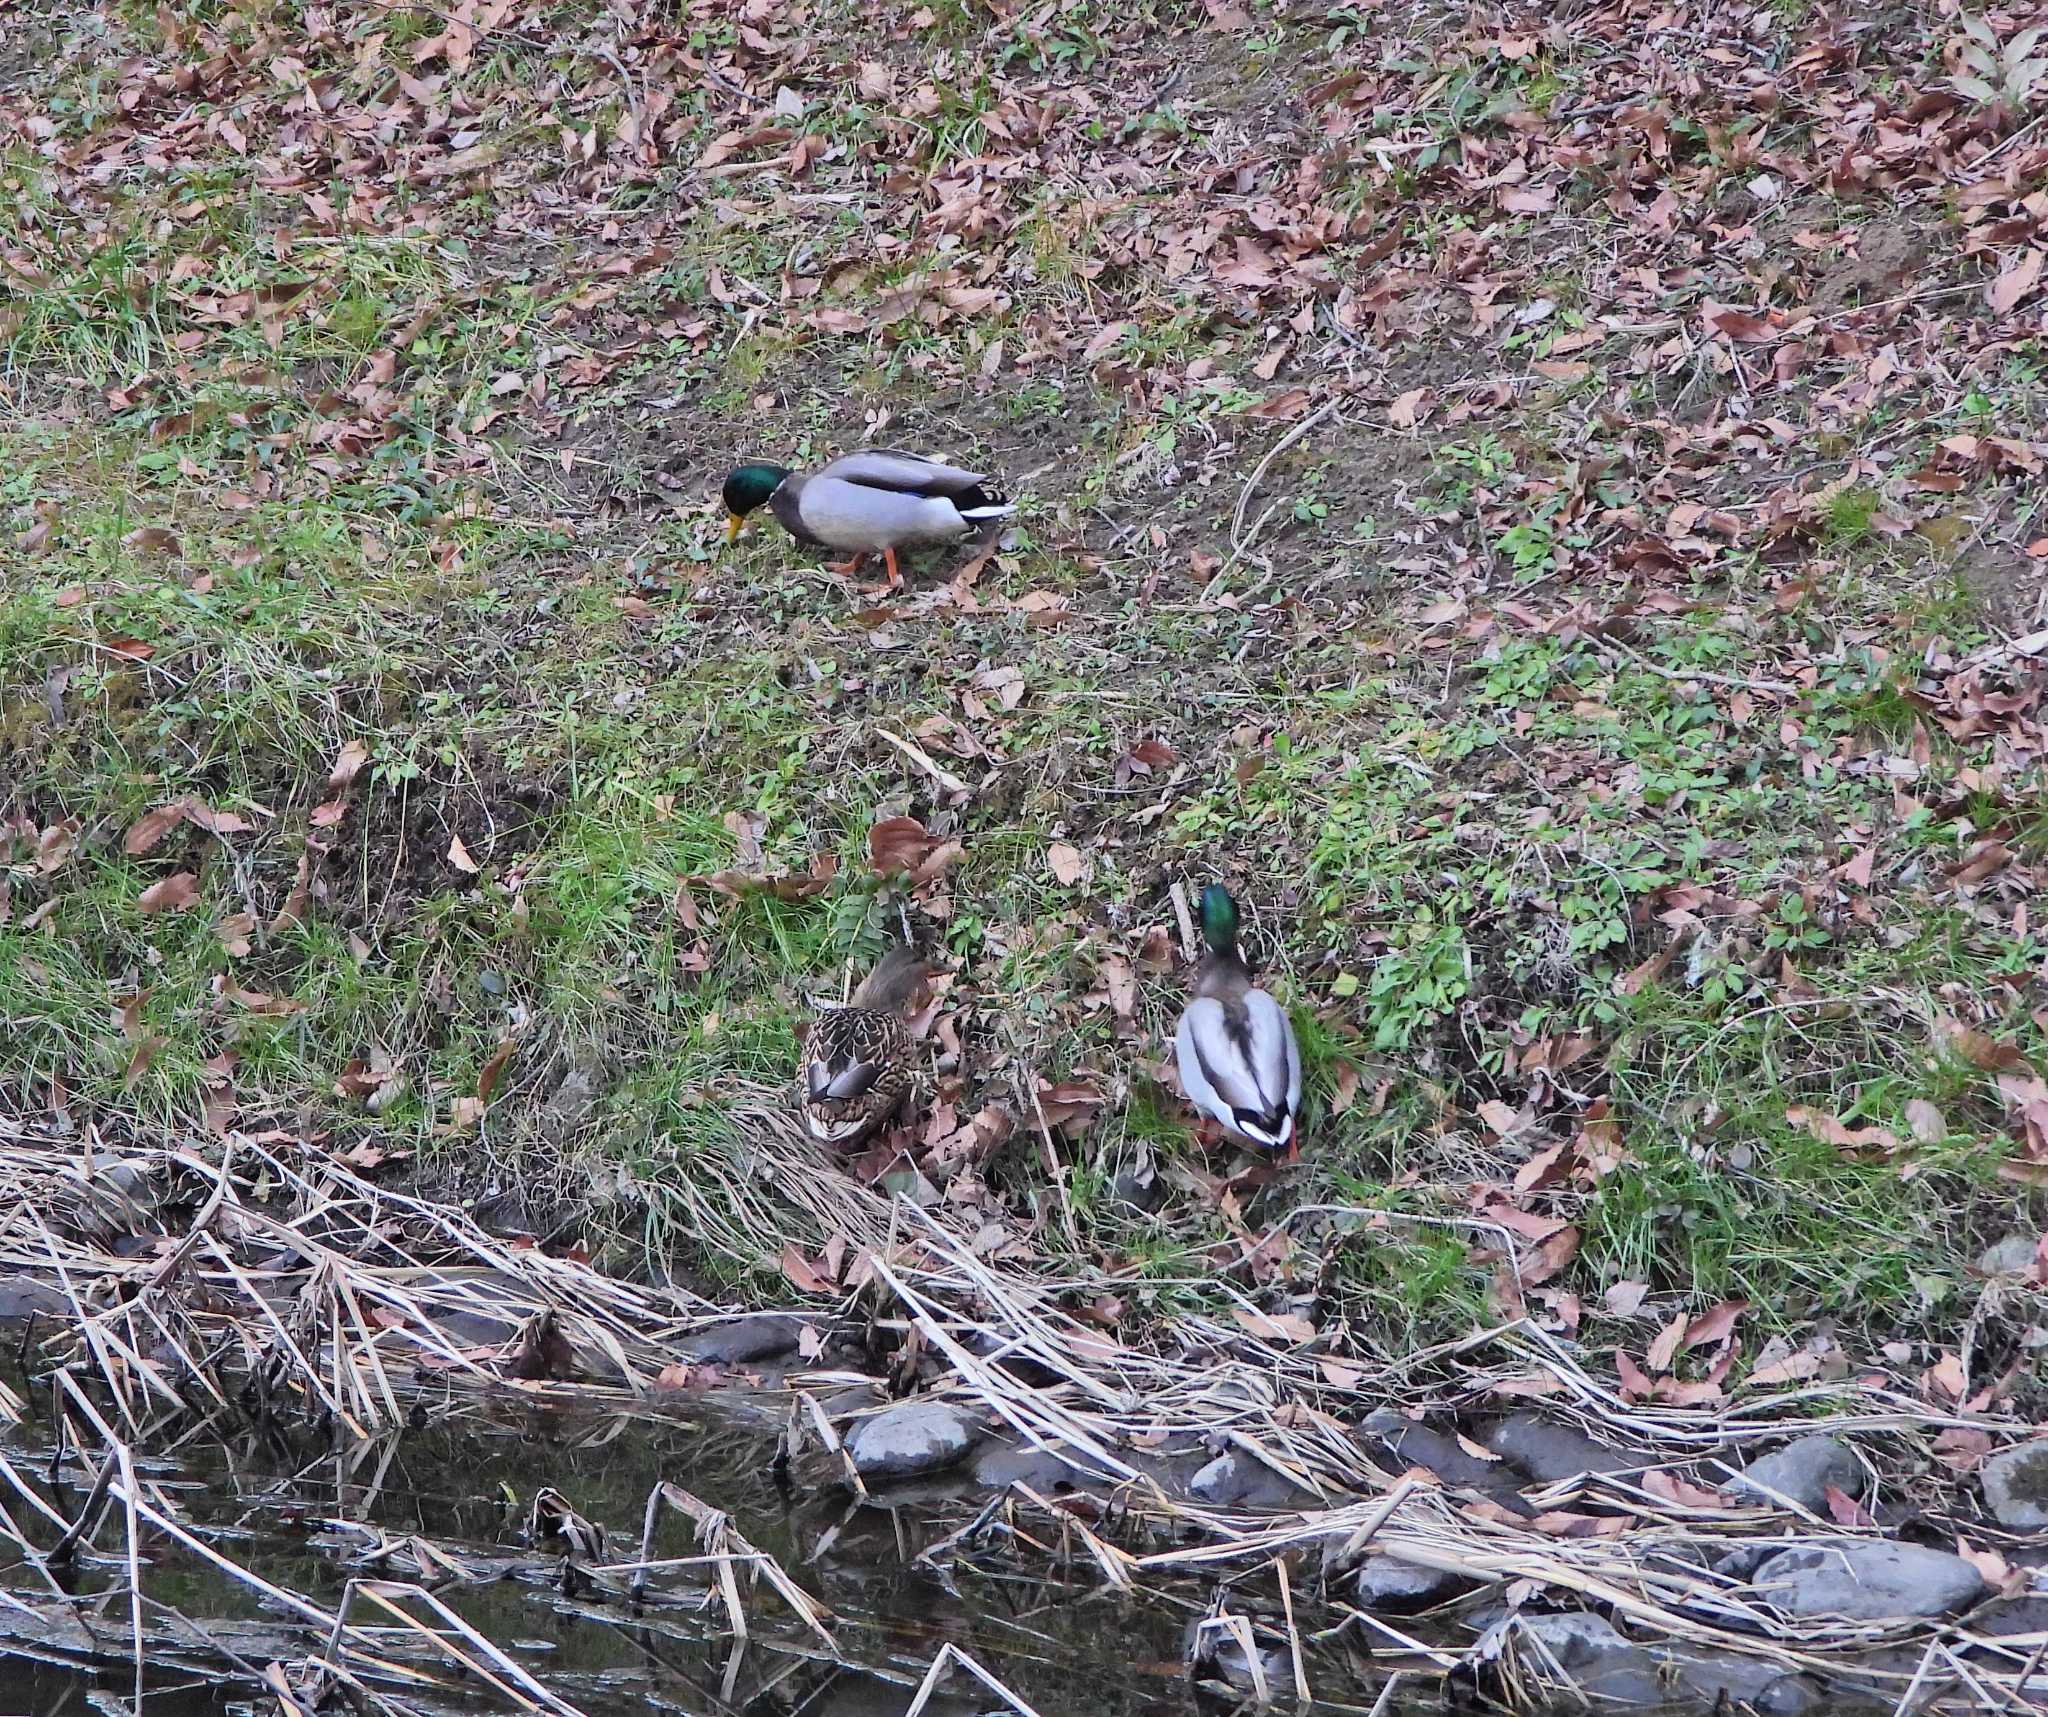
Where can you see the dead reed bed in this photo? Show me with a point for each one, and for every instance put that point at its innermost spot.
(256, 1279)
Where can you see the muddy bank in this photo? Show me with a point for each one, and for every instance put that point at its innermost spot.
(290, 1386)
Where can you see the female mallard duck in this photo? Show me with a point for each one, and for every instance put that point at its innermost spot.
(1239, 1063)
(869, 502)
(857, 1060)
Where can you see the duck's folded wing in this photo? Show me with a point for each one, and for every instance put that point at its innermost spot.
(1240, 1064)
(1273, 1051)
(857, 516)
(906, 473)
(1219, 1065)
(837, 1084)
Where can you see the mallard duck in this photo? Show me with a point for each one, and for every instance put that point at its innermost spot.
(1239, 1063)
(869, 502)
(857, 1060)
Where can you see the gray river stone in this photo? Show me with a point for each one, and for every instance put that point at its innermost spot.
(744, 1339)
(128, 1179)
(1413, 1445)
(24, 1296)
(1868, 1580)
(1550, 1452)
(1214, 1652)
(2016, 1485)
(1609, 1669)
(1393, 1587)
(1801, 1472)
(1237, 1480)
(852, 1694)
(997, 1466)
(911, 1439)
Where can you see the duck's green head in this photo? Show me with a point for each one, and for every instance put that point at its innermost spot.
(748, 487)
(1219, 919)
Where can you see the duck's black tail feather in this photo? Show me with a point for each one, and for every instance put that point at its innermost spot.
(983, 501)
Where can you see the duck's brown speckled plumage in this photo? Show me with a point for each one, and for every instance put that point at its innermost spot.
(857, 1063)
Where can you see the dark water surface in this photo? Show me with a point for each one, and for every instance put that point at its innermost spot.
(292, 1509)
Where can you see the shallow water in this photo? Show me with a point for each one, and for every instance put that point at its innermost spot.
(291, 1510)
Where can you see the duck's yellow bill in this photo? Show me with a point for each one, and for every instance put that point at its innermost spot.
(734, 524)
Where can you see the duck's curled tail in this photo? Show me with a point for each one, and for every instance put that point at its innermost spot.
(982, 503)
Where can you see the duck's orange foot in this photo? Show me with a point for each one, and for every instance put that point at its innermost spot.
(895, 572)
(847, 568)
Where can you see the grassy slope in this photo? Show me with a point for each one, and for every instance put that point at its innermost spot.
(1571, 634)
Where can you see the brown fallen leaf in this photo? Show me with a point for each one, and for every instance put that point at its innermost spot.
(1742, 326)
(1120, 984)
(1637, 979)
(148, 830)
(1793, 1368)
(138, 1062)
(458, 856)
(1946, 1379)
(215, 822)
(1344, 1086)
(1549, 1258)
(1833, 1130)
(256, 1001)
(1624, 1299)
(237, 934)
(1986, 860)
(803, 1274)
(1634, 1384)
(298, 901)
(1665, 1348)
(1274, 1326)
(746, 828)
(897, 846)
(348, 764)
(175, 893)
(1962, 1448)
(1715, 1324)
(492, 1070)
(2015, 281)
(1682, 1491)
(1066, 863)
(361, 1081)
(1070, 1104)
(1983, 1051)
(56, 844)
(678, 1375)
(1845, 1509)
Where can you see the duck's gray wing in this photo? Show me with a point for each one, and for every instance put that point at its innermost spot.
(860, 517)
(906, 473)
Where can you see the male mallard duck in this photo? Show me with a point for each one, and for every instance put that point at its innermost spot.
(868, 502)
(857, 1061)
(1239, 1063)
